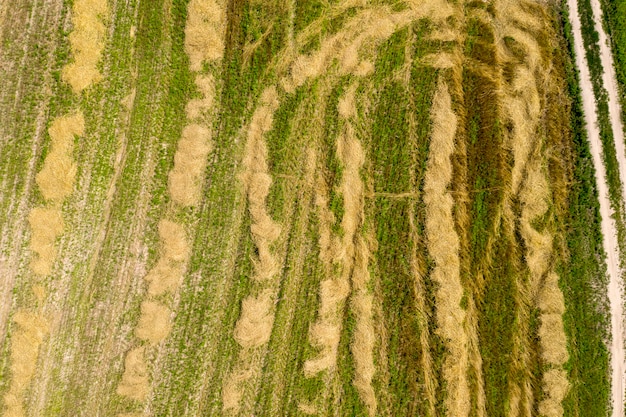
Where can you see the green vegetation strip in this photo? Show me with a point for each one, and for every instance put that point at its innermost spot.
(583, 275)
(592, 53)
(614, 19)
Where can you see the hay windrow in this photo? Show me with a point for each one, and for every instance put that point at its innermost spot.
(186, 177)
(364, 335)
(46, 226)
(134, 383)
(87, 43)
(154, 323)
(204, 42)
(204, 32)
(443, 246)
(55, 181)
(164, 277)
(534, 195)
(370, 26)
(174, 245)
(31, 329)
(325, 332)
(555, 387)
(352, 254)
(355, 252)
(56, 178)
(521, 105)
(195, 107)
(254, 326)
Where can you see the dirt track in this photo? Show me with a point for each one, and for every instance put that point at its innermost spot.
(608, 224)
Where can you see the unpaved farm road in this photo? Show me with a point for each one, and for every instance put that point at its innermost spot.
(615, 289)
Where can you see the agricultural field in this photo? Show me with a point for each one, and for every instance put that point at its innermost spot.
(312, 208)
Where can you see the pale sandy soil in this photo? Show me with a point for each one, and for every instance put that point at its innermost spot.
(615, 291)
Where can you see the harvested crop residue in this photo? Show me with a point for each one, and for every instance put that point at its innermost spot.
(154, 322)
(253, 329)
(134, 384)
(56, 178)
(443, 246)
(204, 32)
(87, 42)
(31, 329)
(186, 178)
(46, 226)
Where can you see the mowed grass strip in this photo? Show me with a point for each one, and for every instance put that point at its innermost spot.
(485, 173)
(398, 149)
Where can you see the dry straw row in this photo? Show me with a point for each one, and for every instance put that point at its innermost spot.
(521, 106)
(56, 183)
(204, 42)
(254, 326)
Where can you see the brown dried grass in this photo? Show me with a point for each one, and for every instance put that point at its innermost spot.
(56, 178)
(164, 277)
(31, 329)
(555, 387)
(254, 327)
(443, 246)
(206, 86)
(174, 245)
(45, 225)
(87, 42)
(154, 322)
(326, 331)
(186, 177)
(135, 384)
(204, 32)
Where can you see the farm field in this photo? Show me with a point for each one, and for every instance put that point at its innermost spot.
(312, 207)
